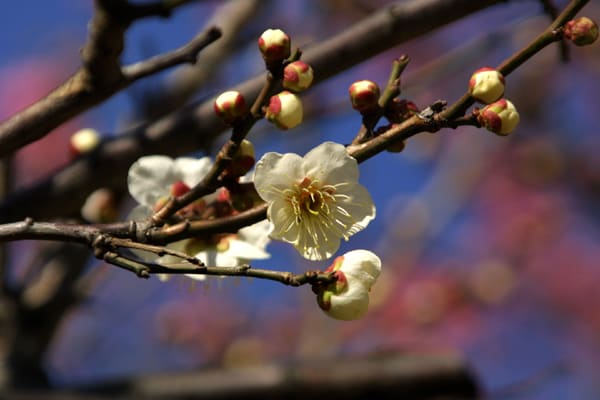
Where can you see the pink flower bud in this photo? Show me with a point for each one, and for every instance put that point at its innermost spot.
(179, 188)
(84, 141)
(364, 96)
(230, 106)
(581, 31)
(348, 297)
(486, 85)
(284, 110)
(297, 76)
(274, 44)
(243, 160)
(500, 117)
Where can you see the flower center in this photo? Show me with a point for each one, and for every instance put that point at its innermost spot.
(310, 198)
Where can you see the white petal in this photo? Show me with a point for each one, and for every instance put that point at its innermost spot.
(350, 305)
(358, 204)
(361, 266)
(275, 173)
(256, 234)
(192, 170)
(246, 251)
(330, 164)
(284, 222)
(150, 178)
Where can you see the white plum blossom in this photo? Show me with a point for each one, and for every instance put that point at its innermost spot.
(348, 297)
(153, 179)
(314, 200)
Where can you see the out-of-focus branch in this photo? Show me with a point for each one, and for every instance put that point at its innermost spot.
(99, 77)
(385, 376)
(185, 81)
(185, 54)
(192, 127)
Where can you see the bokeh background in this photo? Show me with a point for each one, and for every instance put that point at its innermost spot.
(490, 245)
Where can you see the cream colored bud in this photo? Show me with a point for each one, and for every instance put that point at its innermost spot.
(275, 45)
(285, 110)
(84, 141)
(486, 85)
(348, 297)
(230, 106)
(297, 76)
(364, 96)
(500, 117)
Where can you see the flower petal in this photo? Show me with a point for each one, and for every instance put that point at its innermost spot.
(358, 208)
(275, 173)
(330, 164)
(192, 170)
(361, 266)
(351, 304)
(242, 250)
(150, 178)
(317, 240)
(256, 234)
(284, 226)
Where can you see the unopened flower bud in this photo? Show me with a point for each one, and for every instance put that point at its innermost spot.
(179, 188)
(581, 31)
(243, 160)
(284, 110)
(84, 141)
(348, 297)
(100, 207)
(500, 117)
(244, 197)
(274, 44)
(486, 85)
(297, 76)
(230, 106)
(364, 96)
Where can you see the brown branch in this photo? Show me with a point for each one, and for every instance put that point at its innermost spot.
(548, 36)
(191, 128)
(186, 54)
(99, 77)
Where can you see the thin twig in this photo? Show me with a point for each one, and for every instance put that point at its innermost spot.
(185, 54)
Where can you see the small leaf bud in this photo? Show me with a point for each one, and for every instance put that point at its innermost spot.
(297, 76)
(284, 110)
(230, 106)
(274, 44)
(486, 85)
(364, 96)
(500, 117)
(84, 141)
(581, 31)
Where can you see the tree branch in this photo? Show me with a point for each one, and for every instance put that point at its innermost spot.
(99, 77)
(193, 127)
